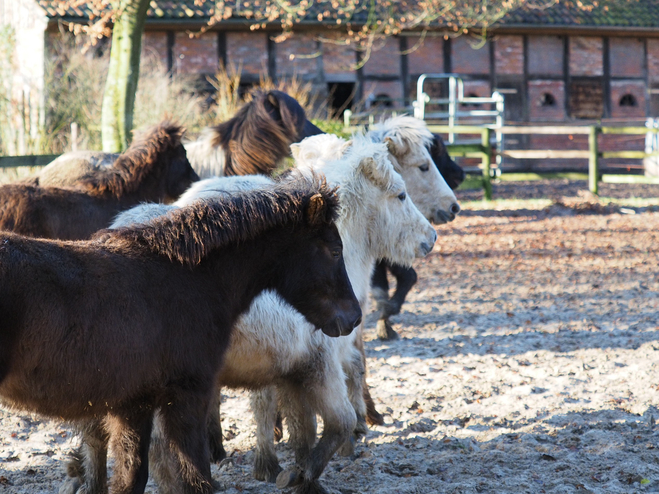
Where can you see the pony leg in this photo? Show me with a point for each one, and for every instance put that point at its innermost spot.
(184, 422)
(328, 395)
(214, 425)
(405, 279)
(163, 468)
(130, 435)
(380, 285)
(354, 371)
(264, 407)
(87, 469)
(373, 417)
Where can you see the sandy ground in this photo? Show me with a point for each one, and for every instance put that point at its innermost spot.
(528, 362)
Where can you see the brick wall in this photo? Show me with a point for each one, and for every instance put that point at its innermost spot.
(626, 55)
(466, 59)
(632, 90)
(545, 55)
(653, 59)
(509, 55)
(384, 59)
(154, 47)
(197, 54)
(427, 58)
(248, 50)
(586, 56)
(292, 57)
(339, 62)
(481, 89)
(540, 94)
(393, 89)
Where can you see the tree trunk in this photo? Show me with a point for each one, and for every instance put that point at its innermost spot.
(123, 74)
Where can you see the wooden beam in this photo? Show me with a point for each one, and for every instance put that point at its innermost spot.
(16, 161)
(545, 154)
(629, 179)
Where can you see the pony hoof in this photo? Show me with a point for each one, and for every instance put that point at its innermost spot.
(266, 469)
(218, 454)
(312, 487)
(348, 447)
(385, 331)
(70, 486)
(361, 429)
(289, 478)
(373, 417)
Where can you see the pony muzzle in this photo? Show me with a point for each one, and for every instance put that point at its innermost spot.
(344, 323)
(442, 216)
(425, 247)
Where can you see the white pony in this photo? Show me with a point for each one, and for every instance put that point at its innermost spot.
(409, 141)
(272, 343)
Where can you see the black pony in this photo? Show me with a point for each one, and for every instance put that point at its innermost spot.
(137, 321)
(406, 277)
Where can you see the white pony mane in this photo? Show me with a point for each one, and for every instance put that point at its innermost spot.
(204, 157)
(402, 128)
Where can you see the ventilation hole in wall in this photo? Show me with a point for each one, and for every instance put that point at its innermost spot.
(628, 100)
(383, 100)
(547, 99)
(471, 105)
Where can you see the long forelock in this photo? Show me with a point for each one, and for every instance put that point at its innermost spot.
(189, 234)
(403, 129)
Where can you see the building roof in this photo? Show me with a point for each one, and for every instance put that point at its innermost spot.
(537, 13)
(594, 13)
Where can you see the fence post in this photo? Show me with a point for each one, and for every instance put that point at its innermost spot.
(593, 162)
(74, 136)
(487, 178)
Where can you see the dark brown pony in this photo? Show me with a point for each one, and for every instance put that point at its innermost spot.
(154, 168)
(255, 140)
(138, 320)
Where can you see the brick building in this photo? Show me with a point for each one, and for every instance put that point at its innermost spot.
(553, 65)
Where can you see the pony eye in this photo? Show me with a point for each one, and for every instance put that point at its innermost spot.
(402, 196)
(424, 167)
(336, 253)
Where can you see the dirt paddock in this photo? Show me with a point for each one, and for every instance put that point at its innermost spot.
(528, 362)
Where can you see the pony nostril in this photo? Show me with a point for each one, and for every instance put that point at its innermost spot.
(357, 322)
(455, 208)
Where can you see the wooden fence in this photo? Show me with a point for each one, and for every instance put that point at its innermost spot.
(593, 154)
(486, 152)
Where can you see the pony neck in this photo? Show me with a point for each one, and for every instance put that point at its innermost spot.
(357, 254)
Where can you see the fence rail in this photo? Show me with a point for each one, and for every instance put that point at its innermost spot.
(31, 160)
(593, 154)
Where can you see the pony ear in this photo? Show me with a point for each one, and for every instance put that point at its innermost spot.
(392, 146)
(274, 101)
(295, 151)
(316, 211)
(345, 146)
(369, 168)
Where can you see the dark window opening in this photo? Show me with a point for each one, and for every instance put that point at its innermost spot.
(341, 97)
(628, 100)
(547, 99)
(382, 100)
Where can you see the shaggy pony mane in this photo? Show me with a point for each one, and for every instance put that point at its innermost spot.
(252, 137)
(188, 235)
(403, 130)
(136, 163)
